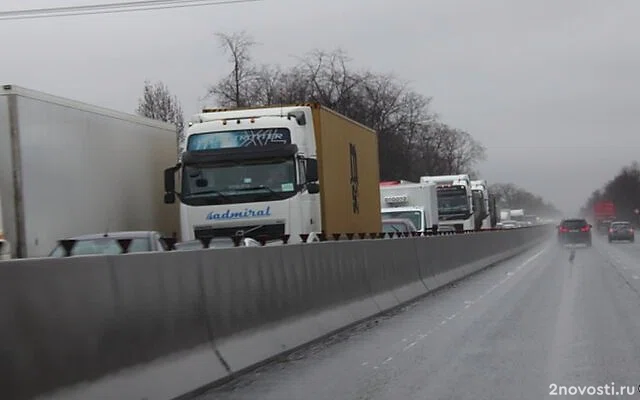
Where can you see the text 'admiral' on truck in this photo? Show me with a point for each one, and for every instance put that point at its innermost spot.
(274, 171)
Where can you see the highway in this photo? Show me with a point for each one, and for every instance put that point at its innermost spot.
(509, 332)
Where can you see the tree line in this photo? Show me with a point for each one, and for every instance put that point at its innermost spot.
(413, 141)
(623, 190)
(510, 196)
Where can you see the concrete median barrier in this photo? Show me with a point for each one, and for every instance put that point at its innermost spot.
(158, 325)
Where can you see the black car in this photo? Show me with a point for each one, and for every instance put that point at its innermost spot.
(621, 230)
(574, 231)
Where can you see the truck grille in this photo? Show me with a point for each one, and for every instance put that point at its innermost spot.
(270, 231)
(450, 217)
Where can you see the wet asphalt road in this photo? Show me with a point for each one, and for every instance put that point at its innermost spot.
(509, 332)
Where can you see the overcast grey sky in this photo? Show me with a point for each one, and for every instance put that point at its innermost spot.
(549, 87)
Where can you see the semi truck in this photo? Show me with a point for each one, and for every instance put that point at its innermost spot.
(517, 214)
(482, 205)
(417, 202)
(604, 212)
(270, 172)
(69, 168)
(455, 201)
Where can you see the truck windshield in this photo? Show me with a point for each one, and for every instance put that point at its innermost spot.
(453, 202)
(239, 181)
(413, 216)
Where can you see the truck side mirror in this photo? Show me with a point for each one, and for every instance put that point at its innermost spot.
(312, 170)
(170, 180)
(170, 184)
(313, 187)
(169, 198)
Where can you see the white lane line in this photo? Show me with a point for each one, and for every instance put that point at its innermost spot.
(387, 360)
(410, 345)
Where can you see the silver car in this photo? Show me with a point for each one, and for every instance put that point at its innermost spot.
(107, 243)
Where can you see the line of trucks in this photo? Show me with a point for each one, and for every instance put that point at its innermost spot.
(305, 169)
(68, 168)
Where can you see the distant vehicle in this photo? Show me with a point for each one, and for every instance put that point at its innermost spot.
(417, 202)
(455, 201)
(107, 243)
(509, 224)
(604, 213)
(402, 225)
(216, 243)
(621, 230)
(574, 231)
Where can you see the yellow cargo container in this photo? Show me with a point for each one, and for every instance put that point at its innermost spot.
(349, 171)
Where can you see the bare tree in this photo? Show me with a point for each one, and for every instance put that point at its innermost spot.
(510, 196)
(157, 102)
(235, 88)
(412, 141)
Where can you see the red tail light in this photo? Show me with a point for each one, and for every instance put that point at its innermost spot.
(610, 230)
(564, 229)
(585, 228)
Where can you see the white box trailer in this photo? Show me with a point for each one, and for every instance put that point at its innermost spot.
(417, 202)
(68, 168)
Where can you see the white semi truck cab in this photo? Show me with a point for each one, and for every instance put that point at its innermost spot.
(417, 202)
(455, 201)
(248, 172)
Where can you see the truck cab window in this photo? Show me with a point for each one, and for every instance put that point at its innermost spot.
(237, 181)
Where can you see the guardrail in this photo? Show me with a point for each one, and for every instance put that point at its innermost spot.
(158, 325)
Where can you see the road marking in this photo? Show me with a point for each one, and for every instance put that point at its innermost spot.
(410, 345)
(387, 360)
